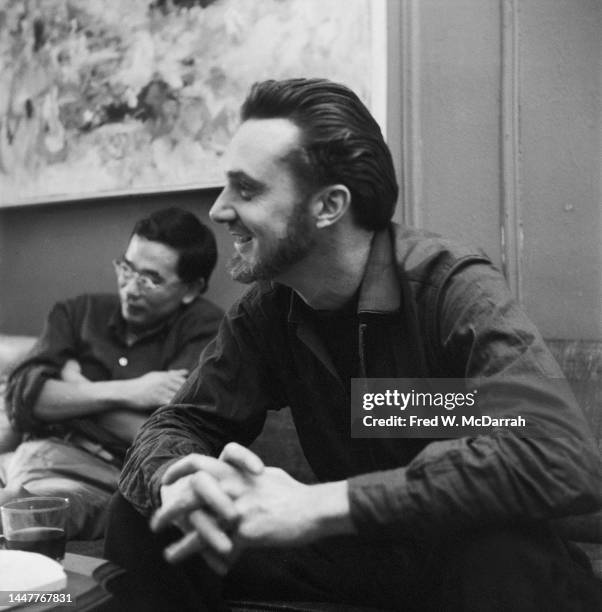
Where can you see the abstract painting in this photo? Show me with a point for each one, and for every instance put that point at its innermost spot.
(102, 97)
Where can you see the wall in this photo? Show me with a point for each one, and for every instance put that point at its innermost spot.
(502, 124)
(561, 110)
(459, 88)
(51, 252)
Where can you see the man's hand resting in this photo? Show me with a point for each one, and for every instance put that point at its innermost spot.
(75, 396)
(153, 389)
(72, 372)
(133, 398)
(228, 504)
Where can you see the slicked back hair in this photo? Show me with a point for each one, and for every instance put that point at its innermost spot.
(184, 232)
(340, 143)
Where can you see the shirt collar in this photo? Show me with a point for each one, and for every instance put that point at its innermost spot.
(118, 325)
(379, 291)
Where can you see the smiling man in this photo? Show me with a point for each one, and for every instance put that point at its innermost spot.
(104, 362)
(268, 239)
(341, 292)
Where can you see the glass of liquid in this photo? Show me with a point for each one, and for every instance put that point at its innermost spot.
(36, 524)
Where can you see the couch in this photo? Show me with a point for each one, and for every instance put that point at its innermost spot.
(581, 361)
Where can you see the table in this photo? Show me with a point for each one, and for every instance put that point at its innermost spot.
(87, 578)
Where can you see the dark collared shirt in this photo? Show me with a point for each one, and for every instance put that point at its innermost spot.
(90, 329)
(426, 308)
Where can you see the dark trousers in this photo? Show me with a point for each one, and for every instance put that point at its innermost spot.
(524, 568)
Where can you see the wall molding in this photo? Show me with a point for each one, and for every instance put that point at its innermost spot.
(511, 222)
(411, 137)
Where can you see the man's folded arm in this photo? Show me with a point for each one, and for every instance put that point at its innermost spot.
(36, 395)
(122, 406)
(59, 400)
(54, 348)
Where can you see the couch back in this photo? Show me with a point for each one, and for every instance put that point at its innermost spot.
(12, 349)
(581, 362)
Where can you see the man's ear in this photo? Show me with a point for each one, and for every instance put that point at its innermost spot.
(194, 289)
(331, 204)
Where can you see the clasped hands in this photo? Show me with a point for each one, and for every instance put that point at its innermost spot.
(234, 502)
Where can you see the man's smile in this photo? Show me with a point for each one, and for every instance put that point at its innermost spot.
(240, 236)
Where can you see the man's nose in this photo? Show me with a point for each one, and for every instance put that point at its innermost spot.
(131, 286)
(222, 211)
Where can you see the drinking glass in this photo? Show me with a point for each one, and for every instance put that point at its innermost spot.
(36, 524)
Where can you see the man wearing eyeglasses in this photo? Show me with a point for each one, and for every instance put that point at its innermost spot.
(104, 362)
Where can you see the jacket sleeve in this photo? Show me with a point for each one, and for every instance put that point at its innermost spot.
(55, 346)
(225, 399)
(502, 476)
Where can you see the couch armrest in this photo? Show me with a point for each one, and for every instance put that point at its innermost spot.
(12, 349)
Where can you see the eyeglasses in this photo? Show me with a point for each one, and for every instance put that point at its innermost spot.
(145, 281)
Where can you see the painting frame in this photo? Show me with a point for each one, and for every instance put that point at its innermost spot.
(85, 186)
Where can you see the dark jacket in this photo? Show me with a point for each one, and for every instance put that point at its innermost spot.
(427, 308)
